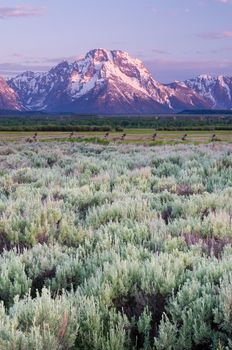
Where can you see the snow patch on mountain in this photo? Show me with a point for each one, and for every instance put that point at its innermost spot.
(217, 90)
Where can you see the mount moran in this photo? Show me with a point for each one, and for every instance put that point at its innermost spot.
(110, 82)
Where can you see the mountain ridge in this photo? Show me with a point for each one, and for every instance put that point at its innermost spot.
(111, 82)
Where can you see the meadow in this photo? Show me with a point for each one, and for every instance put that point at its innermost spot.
(148, 130)
(127, 136)
(115, 247)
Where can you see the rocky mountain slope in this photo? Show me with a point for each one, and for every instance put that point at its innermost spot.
(217, 90)
(108, 82)
(8, 97)
(111, 82)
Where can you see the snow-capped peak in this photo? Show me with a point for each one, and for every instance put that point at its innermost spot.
(204, 77)
(99, 55)
(102, 81)
(218, 90)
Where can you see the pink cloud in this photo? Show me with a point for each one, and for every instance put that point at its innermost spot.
(216, 35)
(20, 11)
(227, 34)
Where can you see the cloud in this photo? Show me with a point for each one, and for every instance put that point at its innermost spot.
(56, 60)
(208, 2)
(19, 63)
(215, 35)
(13, 69)
(220, 50)
(160, 52)
(20, 11)
(164, 69)
(227, 34)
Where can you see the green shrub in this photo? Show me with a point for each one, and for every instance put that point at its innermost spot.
(42, 323)
(116, 247)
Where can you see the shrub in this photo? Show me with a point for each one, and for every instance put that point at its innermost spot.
(42, 323)
(116, 247)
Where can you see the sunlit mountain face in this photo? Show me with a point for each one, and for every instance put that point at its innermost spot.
(8, 98)
(110, 82)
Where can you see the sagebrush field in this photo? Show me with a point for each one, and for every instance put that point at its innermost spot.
(115, 247)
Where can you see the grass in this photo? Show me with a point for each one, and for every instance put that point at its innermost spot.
(132, 136)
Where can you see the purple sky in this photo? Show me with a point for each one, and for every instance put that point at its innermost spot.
(176, 39)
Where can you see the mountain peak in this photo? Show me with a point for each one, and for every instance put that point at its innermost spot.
(105, 82)
(204, 77)
(217, 90)
(104, 55)
(100, 55)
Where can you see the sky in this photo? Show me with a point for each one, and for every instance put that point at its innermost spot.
(176, 39)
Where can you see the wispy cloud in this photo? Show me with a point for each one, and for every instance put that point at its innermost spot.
(19, 63)
(209, 2)
(12, 69)
(160, 52)
(215, 35)
(55, 60)
(20, 11)
(223, 1)
(165, 70)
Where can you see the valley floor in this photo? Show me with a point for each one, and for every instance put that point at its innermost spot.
(139, 136)
(115, 247)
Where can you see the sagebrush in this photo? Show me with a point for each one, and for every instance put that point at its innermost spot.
(115, 247)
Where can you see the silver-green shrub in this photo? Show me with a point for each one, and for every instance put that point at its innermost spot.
(116, 247)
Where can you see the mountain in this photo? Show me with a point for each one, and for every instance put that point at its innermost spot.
(103, 82)
(111, 82)
(8, 97)
(217, 90)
